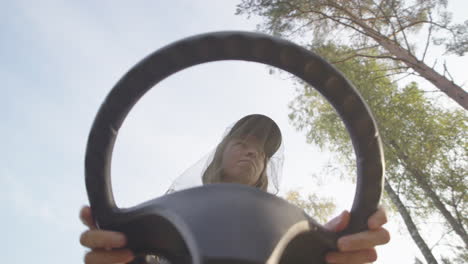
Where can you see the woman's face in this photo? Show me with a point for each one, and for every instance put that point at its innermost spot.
(243, 160)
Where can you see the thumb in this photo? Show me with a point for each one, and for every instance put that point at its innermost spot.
(87, 217)
(338, 223)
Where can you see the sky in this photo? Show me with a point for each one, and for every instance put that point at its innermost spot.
(61, 58)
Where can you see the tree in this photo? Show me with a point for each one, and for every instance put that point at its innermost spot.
(425, 146)
(413, 230)
(320, 209)
(382, 29)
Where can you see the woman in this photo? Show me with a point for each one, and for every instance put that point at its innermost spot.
(247, 154)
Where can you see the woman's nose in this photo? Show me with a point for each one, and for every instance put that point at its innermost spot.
(252, 152)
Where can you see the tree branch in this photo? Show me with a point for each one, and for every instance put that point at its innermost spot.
(378, 56)
(428, 40)
(388, 19)
(406, 76)
(293, 32)
(446, 71)
(389, 75)
(401, 29)
(440, 239)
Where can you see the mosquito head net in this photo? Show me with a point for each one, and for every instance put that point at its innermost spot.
(268, 145)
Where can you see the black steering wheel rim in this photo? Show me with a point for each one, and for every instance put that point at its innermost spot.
(245, 46)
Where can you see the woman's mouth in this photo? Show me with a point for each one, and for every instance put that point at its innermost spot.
(247, 161)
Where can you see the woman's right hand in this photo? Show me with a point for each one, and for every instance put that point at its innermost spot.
(107, 247)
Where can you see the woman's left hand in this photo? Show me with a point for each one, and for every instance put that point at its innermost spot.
(359, 247)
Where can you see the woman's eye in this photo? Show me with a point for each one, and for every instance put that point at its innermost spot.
(238, 143)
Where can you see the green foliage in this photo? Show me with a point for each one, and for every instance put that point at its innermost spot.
(417, 135)
(422, 142)
(320, 209)
(434, 138)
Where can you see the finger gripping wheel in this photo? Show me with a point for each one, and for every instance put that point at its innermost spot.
(229, 223)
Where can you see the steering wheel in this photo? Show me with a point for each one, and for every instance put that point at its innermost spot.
(230, 223)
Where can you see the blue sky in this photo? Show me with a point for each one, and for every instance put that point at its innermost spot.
(59, 60)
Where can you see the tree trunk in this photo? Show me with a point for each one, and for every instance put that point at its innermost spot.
(413, 230)
(424, 184)
(441, 82)
(422, 181)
